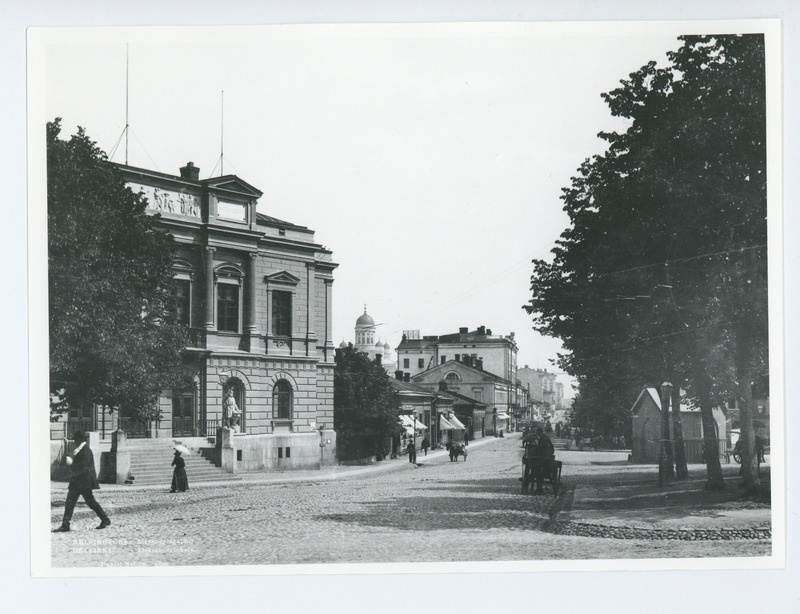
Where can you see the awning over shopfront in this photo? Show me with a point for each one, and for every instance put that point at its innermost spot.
(408, 422)
(448, 424)
(501, 415)
(457, 423)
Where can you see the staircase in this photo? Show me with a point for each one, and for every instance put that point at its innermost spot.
(560, 444)
(151, 464)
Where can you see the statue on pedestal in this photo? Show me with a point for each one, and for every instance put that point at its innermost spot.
(232, 412)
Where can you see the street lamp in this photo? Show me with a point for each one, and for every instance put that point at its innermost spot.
(494, 422)
(664, 463)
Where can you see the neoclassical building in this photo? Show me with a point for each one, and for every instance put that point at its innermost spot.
(365, 341)
(256, 295)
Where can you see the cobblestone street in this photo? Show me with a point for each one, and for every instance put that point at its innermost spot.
(436, 511)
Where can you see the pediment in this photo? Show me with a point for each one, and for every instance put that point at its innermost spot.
(233, 184)
(467, 374)
(282, 277)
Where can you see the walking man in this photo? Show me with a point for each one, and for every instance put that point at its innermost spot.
(412, 452)
(82, 481)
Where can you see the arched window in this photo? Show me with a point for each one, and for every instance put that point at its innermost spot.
(452, 377)
(282, 400)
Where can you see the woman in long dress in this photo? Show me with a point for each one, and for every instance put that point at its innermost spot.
(180, 482)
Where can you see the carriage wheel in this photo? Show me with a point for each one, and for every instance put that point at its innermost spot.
(737, 457)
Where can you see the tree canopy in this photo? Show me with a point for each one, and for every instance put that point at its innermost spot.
(114, 339)
(662, 273)
(365, 406)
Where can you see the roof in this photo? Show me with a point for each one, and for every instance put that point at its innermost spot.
(409, 387)
(268, 220)
(408, 344)
(653, 394)
(460, 399)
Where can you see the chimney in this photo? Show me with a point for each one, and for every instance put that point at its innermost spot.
(406, 377)
(463, 330)
(378, 359)
(398, 375)
(489, 331)
(190, 171)
(481, 330)
(443, 386)
(480, 364)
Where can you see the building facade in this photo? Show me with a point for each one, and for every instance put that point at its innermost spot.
(492, 394)
(256, 295)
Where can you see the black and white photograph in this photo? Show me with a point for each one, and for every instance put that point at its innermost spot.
(378, 298)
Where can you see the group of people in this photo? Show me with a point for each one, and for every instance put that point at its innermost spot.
(83, 481)
(538, 458)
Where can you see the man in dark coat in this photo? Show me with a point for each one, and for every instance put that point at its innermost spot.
(82, 481)
(543, 455)
(412, 452)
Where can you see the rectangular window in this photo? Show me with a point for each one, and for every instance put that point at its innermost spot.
(421, 363)
(444, 359)
(281, 314)
(405, 363)
(182, 298)
(458, 357)
(228, 308)
(288, 452)
(280, 452)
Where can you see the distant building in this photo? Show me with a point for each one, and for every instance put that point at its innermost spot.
(646, 417)
(365, 341)
(493, 395)
(543, 390)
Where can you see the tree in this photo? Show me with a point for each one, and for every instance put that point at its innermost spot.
(662, 274)
(365, 408)
(114, 339)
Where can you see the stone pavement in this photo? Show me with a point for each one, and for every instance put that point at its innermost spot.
(639, 508)
(394, 511)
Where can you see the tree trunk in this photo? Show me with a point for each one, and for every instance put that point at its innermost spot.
(747, 436)
(665, 456)
(681, 470)
(710, 438)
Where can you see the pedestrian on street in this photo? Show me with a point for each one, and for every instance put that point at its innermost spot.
(82, 481)
(180, 482)
(425, 445)
(466, 438)
(412, 452)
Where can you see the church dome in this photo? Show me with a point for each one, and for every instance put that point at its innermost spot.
(387, 346)
(342, 344)
(379, 345)
(365, 319)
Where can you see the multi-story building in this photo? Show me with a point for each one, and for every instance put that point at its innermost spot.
(255, 293)
(543, 389)
(495, 353)
(490, 363)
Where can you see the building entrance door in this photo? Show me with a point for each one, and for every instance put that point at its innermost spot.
(183, 413)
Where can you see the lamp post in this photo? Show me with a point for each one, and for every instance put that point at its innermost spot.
(665, 471)
(223, 378)
(494, 422)
(321, 429)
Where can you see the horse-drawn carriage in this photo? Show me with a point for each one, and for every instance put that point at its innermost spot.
(550, 469)
(455, 450)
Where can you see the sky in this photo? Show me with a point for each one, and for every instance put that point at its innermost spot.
(430, 160)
